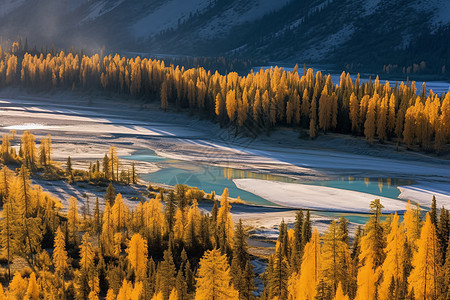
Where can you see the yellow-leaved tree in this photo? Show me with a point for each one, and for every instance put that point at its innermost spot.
(340, 294)
(137, 255)
(60, 257)
(213, 281)
(393, 266)
(423, 279)
(372, 255)
(225, 222)
(335, 257)
(309, 270)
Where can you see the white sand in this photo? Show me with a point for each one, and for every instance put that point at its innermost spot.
(315, 197)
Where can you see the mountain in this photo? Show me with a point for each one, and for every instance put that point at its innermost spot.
(358, 33)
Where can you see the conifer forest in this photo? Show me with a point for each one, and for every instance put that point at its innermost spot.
(214, 150)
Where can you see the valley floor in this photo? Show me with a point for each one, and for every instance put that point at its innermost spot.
(85, 126)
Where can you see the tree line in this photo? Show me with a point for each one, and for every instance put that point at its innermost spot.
(255, 103)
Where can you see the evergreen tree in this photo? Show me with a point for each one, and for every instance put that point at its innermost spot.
(169, 210)
(110, 195)
(69, 171)
(306, 229)
(433, 211)
(241, 269)
(166, 275)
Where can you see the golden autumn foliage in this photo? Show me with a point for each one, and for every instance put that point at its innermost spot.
(266, 97)
(423, 279)
(137, 255)
(213, 281)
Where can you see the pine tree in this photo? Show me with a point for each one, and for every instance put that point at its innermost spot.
(213, 281)
(297, 251)
(169, 210)
(242, 277)
(69, 171)
(110, 195)
(433, 211)
(166, 275)
(306, 228)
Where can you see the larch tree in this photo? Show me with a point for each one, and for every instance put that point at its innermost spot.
(60, 258)
(423, 280)
(33, 288)
(137, 255)
(87, 254)
(412, 223)
(393, 266)
(310, 269)
(335, 258)
(225, 223)
(231, 105)
(108, 231)
(164, 96)
(382, 119)
(73, 220)
(369, 124)
(340, 294)
(354, 112)
(313, 119)
(113, 164)
(372, 255)
(214, 279)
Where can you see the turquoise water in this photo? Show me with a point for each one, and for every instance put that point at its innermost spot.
(212, 178)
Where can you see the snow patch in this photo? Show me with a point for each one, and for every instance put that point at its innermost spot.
(423, 193)
(28, 126)
(305, 196)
